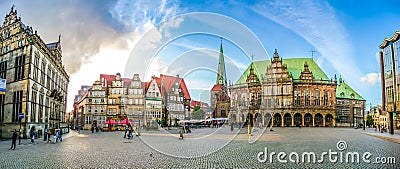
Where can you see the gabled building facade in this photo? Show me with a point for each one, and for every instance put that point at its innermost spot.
(284, 92)
(36, 80)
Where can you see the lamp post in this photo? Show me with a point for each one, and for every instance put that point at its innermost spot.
(20, 132)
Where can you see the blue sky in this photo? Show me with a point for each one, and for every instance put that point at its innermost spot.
(99, 34)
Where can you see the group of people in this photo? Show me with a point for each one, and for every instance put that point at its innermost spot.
(32, 134)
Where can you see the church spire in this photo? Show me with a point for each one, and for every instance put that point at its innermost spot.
(221, 76)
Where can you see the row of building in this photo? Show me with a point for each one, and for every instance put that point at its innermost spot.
(163, 99)
(35, 77)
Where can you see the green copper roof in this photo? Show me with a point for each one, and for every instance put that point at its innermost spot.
(221, 75)
(342, 87)
(294, 65)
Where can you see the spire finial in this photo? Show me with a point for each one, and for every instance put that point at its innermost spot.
(220, 47)
(252, 57)
(276, 55)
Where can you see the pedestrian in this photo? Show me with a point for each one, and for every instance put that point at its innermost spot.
(130, 132)
(60, 135)
(56, 136)
(48, 135)
(92, 128)
(97, 129)
(126, 130)
(45, 133)
(14, 140)
(32, 135)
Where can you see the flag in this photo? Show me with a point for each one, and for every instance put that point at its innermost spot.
(2, 86)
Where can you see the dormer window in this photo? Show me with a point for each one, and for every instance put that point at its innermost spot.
(342, 94)
(352, 95)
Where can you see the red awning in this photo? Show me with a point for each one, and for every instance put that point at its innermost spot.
(111, 121)
(125, 121)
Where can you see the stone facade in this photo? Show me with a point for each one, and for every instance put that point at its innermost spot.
(37, 82)
(280, 98)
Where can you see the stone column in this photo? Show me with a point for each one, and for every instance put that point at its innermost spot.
(334, 122)
(323, 120)
(302, 119)
(272, 120)
(313, 121)
(292, 119)
(282, 121)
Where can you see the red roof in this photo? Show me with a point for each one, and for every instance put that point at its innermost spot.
(166, 82)
(216, 87)
(184, 89)
(109, 78)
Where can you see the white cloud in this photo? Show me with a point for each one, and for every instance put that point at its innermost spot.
(320, 27)
(371, 79)
(320, 61)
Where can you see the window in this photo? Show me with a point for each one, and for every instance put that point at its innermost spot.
(48, 78)
(5, 49)
(296, 97)
(42, 76)
(41, 107)
(89, 109)
(325, 98)
(17, 105)
(316, 98)
(19, 67)
(36, 68)
(33, 107)
(3, 70)
(307, 97)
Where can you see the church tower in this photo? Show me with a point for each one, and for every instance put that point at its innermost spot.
(219, 92)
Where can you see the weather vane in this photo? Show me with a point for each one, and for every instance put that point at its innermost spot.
(312, 53)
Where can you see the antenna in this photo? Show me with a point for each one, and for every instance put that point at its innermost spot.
(252, 57)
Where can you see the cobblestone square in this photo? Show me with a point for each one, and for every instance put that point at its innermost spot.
(203, 148)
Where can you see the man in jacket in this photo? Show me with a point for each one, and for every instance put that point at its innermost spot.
(14, 140)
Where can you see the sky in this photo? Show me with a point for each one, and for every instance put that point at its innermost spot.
(183, 37)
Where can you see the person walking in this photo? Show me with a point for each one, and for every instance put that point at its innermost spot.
(32, 135)
(126, 130)
(130, 129)
(60, 135)
(45, 133)
(14, 140)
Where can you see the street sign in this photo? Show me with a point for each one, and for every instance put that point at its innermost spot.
(21, 115)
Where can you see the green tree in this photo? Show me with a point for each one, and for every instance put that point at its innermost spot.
(198, 114)
(370, 121)
(196, 108)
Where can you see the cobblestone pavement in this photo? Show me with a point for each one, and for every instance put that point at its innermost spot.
(111, 150)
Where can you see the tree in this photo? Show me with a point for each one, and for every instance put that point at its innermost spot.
(369, 121)
(199, 114)
(196, 108)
